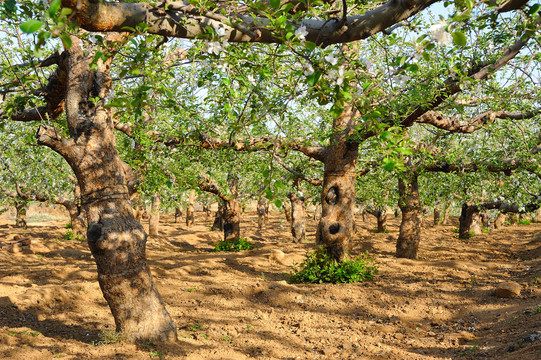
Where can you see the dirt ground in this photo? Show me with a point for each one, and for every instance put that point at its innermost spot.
(239, 306)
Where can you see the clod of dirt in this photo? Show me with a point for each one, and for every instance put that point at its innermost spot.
(278, 256)
(508, 289)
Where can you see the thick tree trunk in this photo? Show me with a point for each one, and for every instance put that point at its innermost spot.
(298, 217)
(190, 210)
(77, 218)
(409, 237)
(20, 215)
(231, 217)
(445, 219)
(154, 220)
(178, 214)
(437, 215)
(117, 241)
(466, 221)
(381, 219)
(335, 229)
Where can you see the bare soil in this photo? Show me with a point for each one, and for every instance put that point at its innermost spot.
(239, 306)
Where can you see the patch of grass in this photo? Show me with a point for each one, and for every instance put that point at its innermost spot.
(472, 283)
(235, 245)
(155, 353)
(58, 356)
(190, 289)
(524, 222)
(68, 235)
(485, 230)
(68, 226)
(536, 310)
(195, 327)
(534, 281)
(204, 336)
(109, 337)
(27, 331)
(470, 350)
(319, 267)
(227, 338)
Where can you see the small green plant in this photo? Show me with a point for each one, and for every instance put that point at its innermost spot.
(227, 338)
(68, 226)
(58, 356)
(534, 281)
(470, 350)
(190, 289)
(473, 283)
(536, 310)
(155, 353)
(68, 235)
(235, 245)
(195, 327)
(485, 230)
(27, 331)
(204, 336)
(524, 222)
(109, 337)
(319, 267)
(456, 230)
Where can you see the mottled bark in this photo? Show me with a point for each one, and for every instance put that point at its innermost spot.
(298, 217)
(154, 220)
(117, 241)
(335, 229)
(409, 236)
(20, 215)
(466, 220)
(381, 222)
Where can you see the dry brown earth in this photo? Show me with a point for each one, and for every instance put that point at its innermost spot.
(238, 305)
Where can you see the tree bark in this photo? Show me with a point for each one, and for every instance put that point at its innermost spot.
(178, 214)
(117, 241)
(190, 210)
(154, 220)
(20, 215)
(287, 213)
(262, 212)
(218, 223)
(382, 222)
(409, 237)
(500, 221)
(437, 215)
(298, 217)
(465, 221)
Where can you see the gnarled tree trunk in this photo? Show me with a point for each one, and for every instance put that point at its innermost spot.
(117, 241)
(20, 215)
(287, 213)
(410, 227)
(218, 223)
(262, 212)
(298, 217)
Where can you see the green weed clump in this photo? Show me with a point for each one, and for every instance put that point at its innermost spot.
(234, 245)
(524, 222)
(319, 267)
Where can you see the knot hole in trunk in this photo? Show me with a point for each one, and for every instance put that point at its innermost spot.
(228, 229)
(332, 196)
(334, 228)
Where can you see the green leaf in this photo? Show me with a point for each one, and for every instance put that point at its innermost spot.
(278, 203)
(275, 3)
(534, 9)
(53, 8)
(459, 38)
(10, 6)
(310, 45)
(31, 26)
(386, 136)
(66, 40)
(311, 80)
(388, 164)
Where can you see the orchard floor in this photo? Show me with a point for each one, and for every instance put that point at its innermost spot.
(238, 305)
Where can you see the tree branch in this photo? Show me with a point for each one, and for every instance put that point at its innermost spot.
(180, 19)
